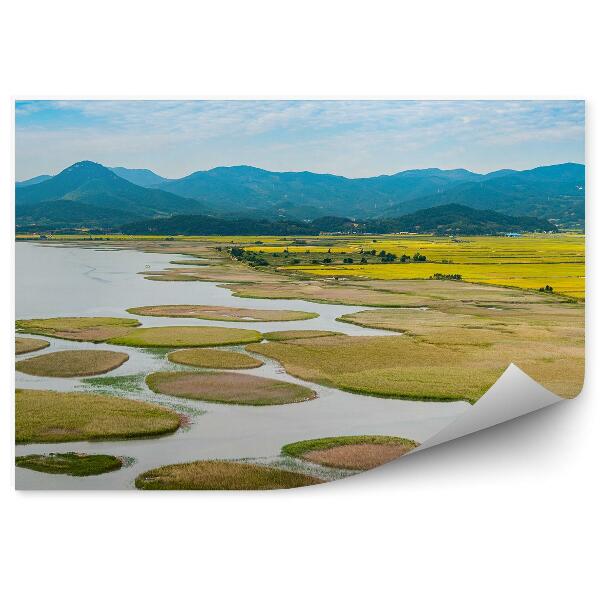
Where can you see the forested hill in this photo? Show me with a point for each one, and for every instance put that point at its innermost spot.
(451, 219)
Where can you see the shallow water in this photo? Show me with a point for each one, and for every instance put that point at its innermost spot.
(75, 281)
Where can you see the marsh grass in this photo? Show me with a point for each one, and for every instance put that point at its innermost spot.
(544, 340)
(72, 363)
(24, 345)
(70, 463)
(214, 359)
(221, 475)
(46, 416)
(298, 334)
(456, 349)
(81, 329)
(391, 366)
(221, 313)
(173, 337)
(357, 452)
(227, 388)
(118, 383)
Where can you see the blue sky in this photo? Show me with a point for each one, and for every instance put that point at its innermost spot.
(355, 138)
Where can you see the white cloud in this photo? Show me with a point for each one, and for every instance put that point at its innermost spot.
(177, 136)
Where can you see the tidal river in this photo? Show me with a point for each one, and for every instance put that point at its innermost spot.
(53, 281)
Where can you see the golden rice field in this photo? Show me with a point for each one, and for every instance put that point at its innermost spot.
(528, 262)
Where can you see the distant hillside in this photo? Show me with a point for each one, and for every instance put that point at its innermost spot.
(204, 225)
(451, 219)
(143, 177)
(455, 219)
(304, 195)
(68, 214)
(94, 185)
(546, 192)
(555, 192)
(32, 181)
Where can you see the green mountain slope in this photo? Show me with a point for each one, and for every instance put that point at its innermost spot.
(556, 192)
(92, 184)
(67, 214)
(451, 219)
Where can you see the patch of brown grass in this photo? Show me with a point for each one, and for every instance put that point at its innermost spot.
(72, 363)
(214, 359)
(228, 388)
(357, 456)
(221, 475)
(221, 313)
(318, 291)
(297, 334)
(82, 329)
(356, 452)
(173, 337)
(224, 270)
(24, 345)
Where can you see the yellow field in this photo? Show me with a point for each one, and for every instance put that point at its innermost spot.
(528, 262)
(481, 249)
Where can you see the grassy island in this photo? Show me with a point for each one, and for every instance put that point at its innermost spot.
(174, 337)
(70, 463)
(358, 452)
(221, 475)
(72, 363)
(228, 388)
(221, 313)
(45, 416)
(214, 359)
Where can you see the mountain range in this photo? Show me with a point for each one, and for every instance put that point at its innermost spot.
(88, 194)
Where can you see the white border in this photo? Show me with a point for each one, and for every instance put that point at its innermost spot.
(507, 513)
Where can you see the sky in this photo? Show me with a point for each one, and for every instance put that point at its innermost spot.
(354, 138)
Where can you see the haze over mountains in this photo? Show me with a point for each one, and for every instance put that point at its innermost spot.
(88, 194)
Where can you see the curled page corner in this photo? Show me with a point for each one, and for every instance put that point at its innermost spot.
(513, 395)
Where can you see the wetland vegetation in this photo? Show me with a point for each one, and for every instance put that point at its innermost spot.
(72, 363)
(176, 337)
(228, 388)
(214, 359)
(70, 463)
(81, 329)
(457, 336)
(297, 334)
(356, 452)
(23, 345)
(46, 416)
(221, 313)
(221, 475)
